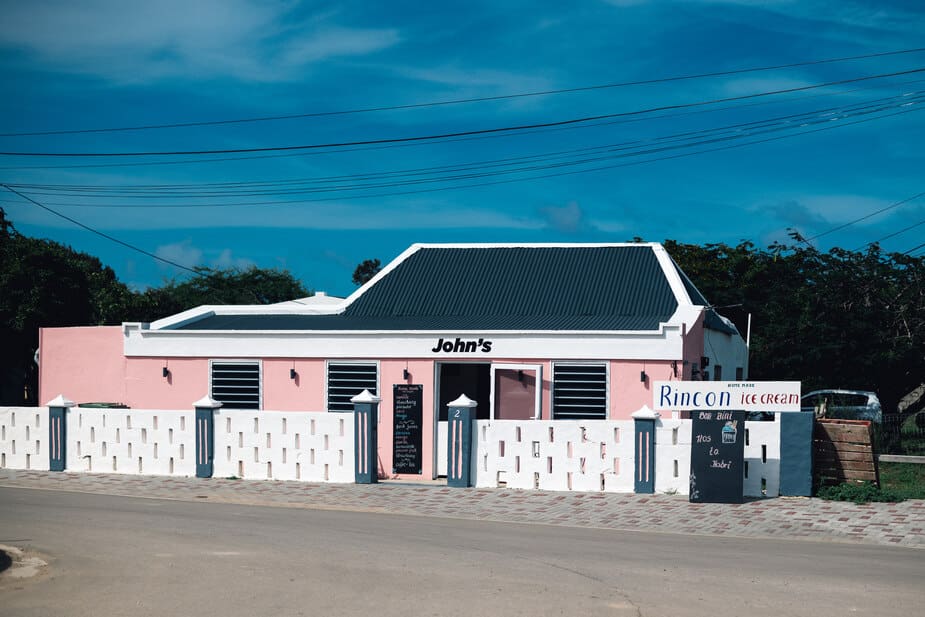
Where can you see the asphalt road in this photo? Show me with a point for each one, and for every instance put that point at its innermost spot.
(130, 556)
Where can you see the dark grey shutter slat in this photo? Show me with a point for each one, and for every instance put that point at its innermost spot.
(236, 384)
(346, 381)
(579, 392)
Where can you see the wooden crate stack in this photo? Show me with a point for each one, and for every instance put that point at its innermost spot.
(843, 451)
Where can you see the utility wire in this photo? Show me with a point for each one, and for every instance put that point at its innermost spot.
(864, 218)
(442, 136)
(914, 248)
(466, 100)
(727, 146)
(513, 165)
(97, 232)
(789, 121)
(888, 236)
(457, 140)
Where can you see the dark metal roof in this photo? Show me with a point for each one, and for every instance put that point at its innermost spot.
(497, 288)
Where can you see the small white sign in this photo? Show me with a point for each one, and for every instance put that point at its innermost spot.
(726, 395)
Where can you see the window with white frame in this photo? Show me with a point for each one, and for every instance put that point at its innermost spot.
(236, 384)
(347, 379)
(579, 391)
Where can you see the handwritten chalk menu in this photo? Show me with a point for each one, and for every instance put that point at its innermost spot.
(407, 430)
(717, 454)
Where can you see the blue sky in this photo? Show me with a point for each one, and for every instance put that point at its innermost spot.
(110, 64)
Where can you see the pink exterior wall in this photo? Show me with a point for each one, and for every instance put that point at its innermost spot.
(304, 393)
(84, 364)
(421, 372)
(628, 393)
(147, 388)
(693, 346)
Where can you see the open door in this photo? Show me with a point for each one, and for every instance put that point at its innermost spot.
(516, 392)
(454, 378)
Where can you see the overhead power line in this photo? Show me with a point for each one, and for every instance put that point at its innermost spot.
(457, 140)
(483, 99)
(479, 169)
(892, 235)
(97, 232)
(867, 216)
(726, 146)
(442, 136)
(914, 248)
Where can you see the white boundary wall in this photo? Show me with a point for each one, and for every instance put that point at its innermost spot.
(560, 455)
(598, 455)
(132, 441)
(672, 456)
(762, 458)
(284, 445)
(260, 445)
(23, 438)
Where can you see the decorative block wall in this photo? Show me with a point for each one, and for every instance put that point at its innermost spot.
(672, 456)
(597, 455)
(762, 458)
(284, 445)
(563, 455)
(132, 441)
(24, 438)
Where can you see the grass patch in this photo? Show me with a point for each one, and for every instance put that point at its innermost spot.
(898, 482)
(907, 479)
(858, 492)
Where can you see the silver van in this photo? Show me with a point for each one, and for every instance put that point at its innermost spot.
(843, 404)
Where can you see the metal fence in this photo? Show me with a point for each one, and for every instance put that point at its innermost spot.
(902, 434)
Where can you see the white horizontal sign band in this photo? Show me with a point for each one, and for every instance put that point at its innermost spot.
(723, 395)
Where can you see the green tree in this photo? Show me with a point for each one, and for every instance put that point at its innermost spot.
(836, 319)
(218, 286)
(366, 271)
(44, 284)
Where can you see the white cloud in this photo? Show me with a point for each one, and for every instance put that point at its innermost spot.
(755, 85)
(145, 41)
(226, 260)
(569, 218)
(183, 253)
(477, 81)
(338, 42)
(850, 15)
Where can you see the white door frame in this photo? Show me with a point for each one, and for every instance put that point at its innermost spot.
(538, 404)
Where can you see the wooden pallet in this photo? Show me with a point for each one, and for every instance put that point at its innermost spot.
(843, 452)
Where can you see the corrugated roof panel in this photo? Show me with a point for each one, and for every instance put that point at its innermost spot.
(499, 288)
(549, 281)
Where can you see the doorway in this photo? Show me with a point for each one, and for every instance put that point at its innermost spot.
(453, 379)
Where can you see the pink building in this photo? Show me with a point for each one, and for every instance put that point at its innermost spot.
(551, 331)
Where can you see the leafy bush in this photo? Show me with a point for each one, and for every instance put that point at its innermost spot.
(858, 492)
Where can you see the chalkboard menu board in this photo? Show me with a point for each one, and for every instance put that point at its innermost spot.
(717, 454)
(407, 428)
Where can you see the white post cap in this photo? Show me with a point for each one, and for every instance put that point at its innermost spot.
(365, 397)
(645, 413)
(463, 401)
(60, 401)
(207, 402)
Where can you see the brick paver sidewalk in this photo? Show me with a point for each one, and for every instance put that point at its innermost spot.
(900, 524)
